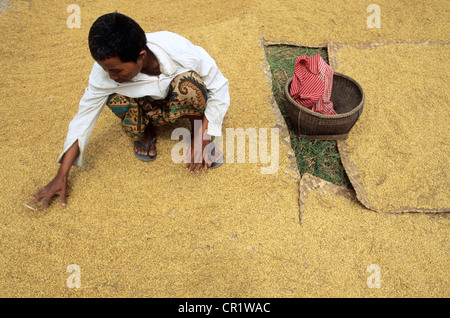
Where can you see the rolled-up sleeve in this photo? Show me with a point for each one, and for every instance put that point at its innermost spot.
(81, 126)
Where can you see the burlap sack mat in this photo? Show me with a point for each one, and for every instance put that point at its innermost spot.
(310, 183)
(396, 156)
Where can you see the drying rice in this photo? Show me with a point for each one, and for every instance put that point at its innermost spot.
(140, 230)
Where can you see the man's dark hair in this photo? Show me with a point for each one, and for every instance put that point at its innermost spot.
(115, 34)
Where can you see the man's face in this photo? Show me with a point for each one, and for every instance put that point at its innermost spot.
(119, 71)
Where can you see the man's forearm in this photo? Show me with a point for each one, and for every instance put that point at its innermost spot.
(68, 160)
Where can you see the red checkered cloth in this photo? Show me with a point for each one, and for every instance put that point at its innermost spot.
(312, 83)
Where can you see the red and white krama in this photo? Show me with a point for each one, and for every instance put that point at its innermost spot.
(312, 83)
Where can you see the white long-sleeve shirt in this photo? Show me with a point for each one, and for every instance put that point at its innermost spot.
(175, 55)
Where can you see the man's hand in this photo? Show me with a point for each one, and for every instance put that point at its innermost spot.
(198, 155)
(202, 152)
(58, 186)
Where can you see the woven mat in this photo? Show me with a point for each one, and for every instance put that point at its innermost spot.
(396, 156)
(410, 250)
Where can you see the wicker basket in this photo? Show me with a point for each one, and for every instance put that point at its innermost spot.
(348, 100)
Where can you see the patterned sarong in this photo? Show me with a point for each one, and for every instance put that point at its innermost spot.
(187, 96)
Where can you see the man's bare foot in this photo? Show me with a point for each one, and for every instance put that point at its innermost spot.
(215, 157)
(145, 147)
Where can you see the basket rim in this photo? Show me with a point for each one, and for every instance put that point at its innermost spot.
(308, 111)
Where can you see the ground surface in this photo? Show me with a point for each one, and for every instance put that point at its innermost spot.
(151, 230)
